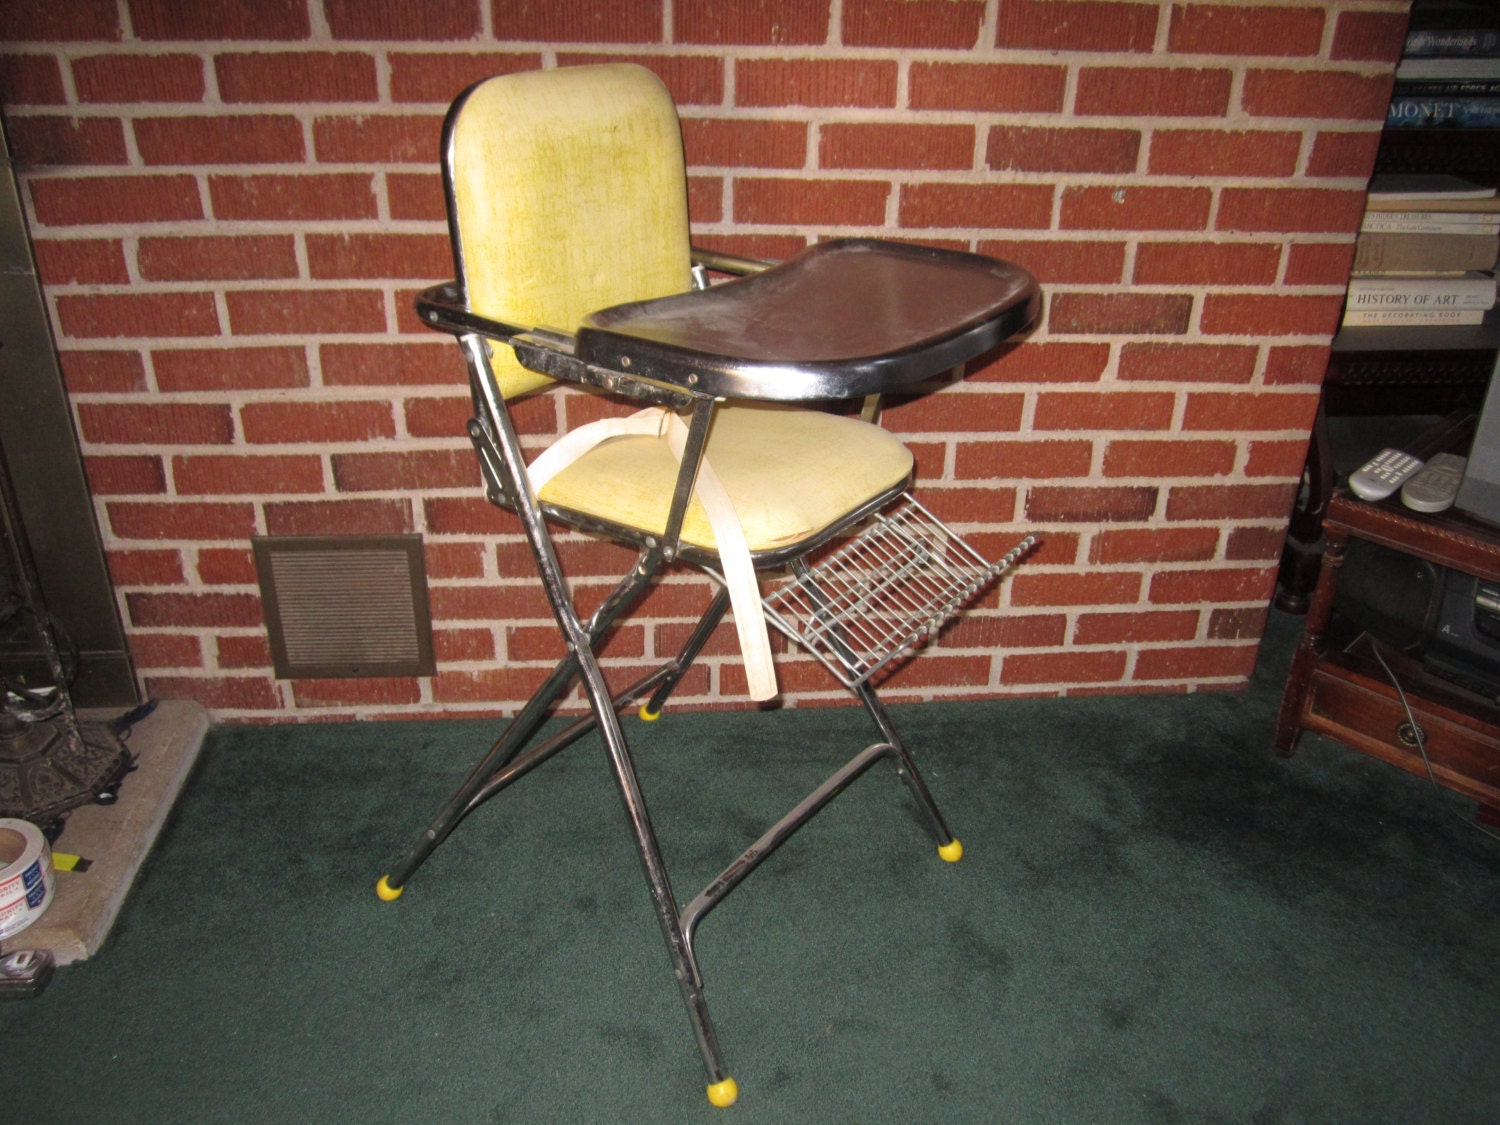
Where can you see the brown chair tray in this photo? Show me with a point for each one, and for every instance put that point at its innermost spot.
(843, 319)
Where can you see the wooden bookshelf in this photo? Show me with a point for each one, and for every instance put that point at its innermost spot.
(1394, 370)
(1473, 154)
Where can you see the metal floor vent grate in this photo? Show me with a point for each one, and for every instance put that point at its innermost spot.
(347, 606)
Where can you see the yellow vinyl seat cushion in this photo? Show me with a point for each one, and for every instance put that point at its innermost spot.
(790, 472)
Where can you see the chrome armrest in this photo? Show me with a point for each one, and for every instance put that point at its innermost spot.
(443, 307)
(539, 349)
(734, 264)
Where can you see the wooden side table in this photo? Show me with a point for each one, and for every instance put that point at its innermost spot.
(1387, 372)
(1339, 690)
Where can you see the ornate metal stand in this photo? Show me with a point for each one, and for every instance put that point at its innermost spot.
(49, 762)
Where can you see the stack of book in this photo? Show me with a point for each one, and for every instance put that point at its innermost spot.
(1449, 74)
(1425, 254)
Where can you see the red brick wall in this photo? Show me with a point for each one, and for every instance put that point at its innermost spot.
(233, 203)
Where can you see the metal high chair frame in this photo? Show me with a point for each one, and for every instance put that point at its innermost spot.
(861, 606)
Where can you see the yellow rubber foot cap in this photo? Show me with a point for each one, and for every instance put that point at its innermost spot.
(723, 1094)
(649, 716)
(951, 852)
(387, 892)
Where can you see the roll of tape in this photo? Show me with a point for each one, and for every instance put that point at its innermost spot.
(26, 879)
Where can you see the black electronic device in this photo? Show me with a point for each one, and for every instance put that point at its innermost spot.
(1447, 619)
(1479, 492)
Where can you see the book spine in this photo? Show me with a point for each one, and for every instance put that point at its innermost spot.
(1429, 222)
(1382, 293)
(1406, 113)
(1462, 68)
(1394, 252)
(1481, 205)
(1452, 41)
(1415, 318)
(1448, 88)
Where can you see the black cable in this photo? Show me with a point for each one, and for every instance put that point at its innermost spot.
(1421, 742)
(122, 726)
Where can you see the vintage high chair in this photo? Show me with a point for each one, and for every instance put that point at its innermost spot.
(567, 204)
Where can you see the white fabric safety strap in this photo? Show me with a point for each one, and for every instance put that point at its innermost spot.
(575, 443)
(734, 552)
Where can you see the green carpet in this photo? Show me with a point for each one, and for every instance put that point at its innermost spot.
(1155, 920)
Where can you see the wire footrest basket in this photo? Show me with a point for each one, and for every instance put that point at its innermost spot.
(884, 592)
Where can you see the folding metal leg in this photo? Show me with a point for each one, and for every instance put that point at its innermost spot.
(778, 834)
(906, 767)
(948, 846)
(506, 464)
(840, 645)
(651, 709)
(516, 735)
(497, 771)
(721, 1088)
(506, 763)
(689, 980)
(490, 775)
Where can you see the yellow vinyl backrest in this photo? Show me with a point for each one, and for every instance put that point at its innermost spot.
(569, 196)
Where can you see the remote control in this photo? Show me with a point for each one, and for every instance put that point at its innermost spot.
(1433, 489)
(1380, 476)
